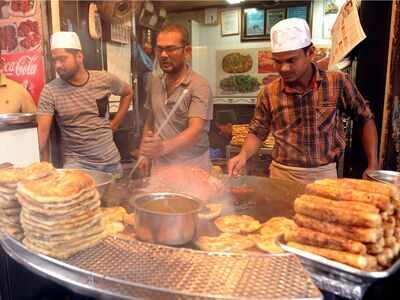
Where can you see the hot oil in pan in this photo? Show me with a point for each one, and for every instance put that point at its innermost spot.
(172, 204)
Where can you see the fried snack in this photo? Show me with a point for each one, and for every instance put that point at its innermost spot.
(277, 226)
(362, 262)
(313, 238)
(368, 235)
(325, 210)
(385, 189)
(225, 242)
(237, 224)
(390, 241)
(129, 219)
(266, 243)
(375, 248)
(211, 211)
(336, 192)
(113, 214)
(114, 227)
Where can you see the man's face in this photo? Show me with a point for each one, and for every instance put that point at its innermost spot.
(171, 52)
(292, 65)
(65, 63)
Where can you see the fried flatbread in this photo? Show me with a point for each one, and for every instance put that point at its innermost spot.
(114, 227)
(62, 253)
(65, 185)
(277, 226)
(10, 175)
(66, 237)
(66, 203)
(267, 243)
(113, 214)
(211, 211)
(67, 219)
(7, 191)
(38, 170)
(60, 228)
(88, 205)
(225, 242)
(237, 224)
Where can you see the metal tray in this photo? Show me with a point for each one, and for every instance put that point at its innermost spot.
(384, 176)
(337, 268)
(17, 118)
(137, 270)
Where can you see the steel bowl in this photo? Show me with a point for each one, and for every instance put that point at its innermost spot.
(167, 228)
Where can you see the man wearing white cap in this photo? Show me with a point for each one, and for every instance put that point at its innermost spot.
(79, 102)
(303, 109)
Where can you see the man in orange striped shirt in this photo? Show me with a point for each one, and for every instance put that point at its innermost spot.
(303, 109)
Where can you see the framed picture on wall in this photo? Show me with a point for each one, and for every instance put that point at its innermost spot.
(273, 17)
(253, 24)
(297, 12)
(230, 22)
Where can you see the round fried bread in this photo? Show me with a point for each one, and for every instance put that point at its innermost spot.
(277, 226)
(237, 224)
(225, 242)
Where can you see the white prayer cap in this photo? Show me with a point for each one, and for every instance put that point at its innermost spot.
(65, 40)
(290, 34)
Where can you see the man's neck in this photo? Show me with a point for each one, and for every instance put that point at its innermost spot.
(176, 78)
(80, 78)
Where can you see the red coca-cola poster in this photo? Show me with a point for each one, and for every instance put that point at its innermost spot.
(27, 68)
(21, 44)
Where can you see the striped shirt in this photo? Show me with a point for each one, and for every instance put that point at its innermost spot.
(80, 112)
(308, 127)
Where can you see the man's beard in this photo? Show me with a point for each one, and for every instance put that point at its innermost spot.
(68, 74)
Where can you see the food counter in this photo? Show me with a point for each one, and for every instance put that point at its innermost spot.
(130, 269)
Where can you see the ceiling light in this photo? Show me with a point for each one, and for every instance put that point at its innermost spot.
(234, 1)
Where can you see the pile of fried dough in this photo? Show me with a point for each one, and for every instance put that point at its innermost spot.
(351, 221)
(240, 132)
(60, 213)
(9, 206)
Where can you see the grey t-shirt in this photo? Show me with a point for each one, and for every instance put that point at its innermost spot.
(198, 102)
(80, 112)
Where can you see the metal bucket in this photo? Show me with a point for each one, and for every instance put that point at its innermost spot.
(165, 227)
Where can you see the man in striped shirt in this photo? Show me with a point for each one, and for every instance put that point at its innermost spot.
(78, 100)
(303, 109)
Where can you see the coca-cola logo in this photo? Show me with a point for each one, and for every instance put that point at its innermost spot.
(23, 66)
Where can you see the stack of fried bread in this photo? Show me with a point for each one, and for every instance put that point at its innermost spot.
(60, 213)
(9, 207)
(240, 132)
(350, 221)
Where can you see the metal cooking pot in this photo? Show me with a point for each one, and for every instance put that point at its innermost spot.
(168, 228)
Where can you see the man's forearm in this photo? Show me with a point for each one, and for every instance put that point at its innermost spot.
(122, 110)
(185, 139)
(251, 146)
(370, 143)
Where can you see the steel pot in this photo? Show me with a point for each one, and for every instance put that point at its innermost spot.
(165, 227)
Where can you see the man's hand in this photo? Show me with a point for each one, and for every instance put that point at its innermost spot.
(236, 164)
(371, 167)
(152, 146)
(144, 166)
